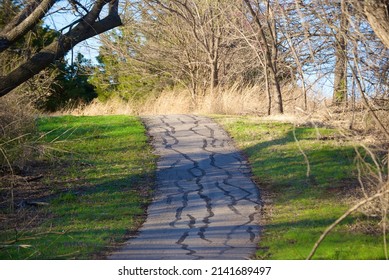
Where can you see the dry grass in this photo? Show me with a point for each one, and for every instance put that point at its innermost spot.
(235, 100)
(114, 106)
(17, 124)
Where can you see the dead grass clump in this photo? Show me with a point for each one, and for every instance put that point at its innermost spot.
(168, 102)
(17, 125)
(234, 100)
(114, 106)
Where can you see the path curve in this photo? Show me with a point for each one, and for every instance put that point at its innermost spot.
(205, 205)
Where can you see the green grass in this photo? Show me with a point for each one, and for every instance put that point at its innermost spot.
(298, 209)
(98, 189)
(102, 171)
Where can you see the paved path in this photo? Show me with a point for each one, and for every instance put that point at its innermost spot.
(205, 206)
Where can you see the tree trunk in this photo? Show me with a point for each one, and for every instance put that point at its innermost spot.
(214, 76)
(276, 88)
(340, 79)
(24, 22)
(268, 91)
(270, 56)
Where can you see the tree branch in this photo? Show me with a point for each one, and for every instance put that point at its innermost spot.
(345, 215)
(24, 22)
(84, 30)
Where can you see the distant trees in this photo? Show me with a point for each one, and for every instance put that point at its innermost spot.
(204, 23)
(344, 53)
(70, 87)
(206, 46)
(201, 45)
(185, 42)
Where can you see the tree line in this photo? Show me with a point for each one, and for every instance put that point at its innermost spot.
(205, 46)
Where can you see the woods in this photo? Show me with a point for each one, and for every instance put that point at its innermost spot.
(212, 45)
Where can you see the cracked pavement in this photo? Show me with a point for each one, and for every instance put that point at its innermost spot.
(205, 205)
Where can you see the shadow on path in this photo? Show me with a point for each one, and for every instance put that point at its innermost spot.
(205, 206)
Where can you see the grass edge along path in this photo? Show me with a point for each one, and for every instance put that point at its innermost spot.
(298, 209)
(98, 186)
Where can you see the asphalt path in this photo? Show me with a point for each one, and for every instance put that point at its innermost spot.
(205, 205)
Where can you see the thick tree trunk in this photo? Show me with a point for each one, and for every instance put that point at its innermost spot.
(340, 79)
(276, 88)
(24, 22)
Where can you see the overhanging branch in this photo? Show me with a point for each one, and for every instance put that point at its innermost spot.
(85, 29)
(24, 22)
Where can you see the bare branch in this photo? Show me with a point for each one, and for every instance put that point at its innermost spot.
(345, 215)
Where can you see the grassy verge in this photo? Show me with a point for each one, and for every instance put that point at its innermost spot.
(96, 185)
(298, 209)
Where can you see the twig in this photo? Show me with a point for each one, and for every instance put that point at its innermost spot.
(384, 218)
(24, 246)
(35, 178)
(37, 203)
(302, 152)
(341, 218)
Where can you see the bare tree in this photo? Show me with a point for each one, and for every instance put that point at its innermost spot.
(186, 40)
(268, 38)
(88, 25)
(205, 20)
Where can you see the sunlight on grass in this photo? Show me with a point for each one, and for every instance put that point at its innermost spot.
(107, 167)
(298, 209)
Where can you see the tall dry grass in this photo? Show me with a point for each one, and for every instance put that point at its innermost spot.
(113, 106)
(17, 125)
(235, 100)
